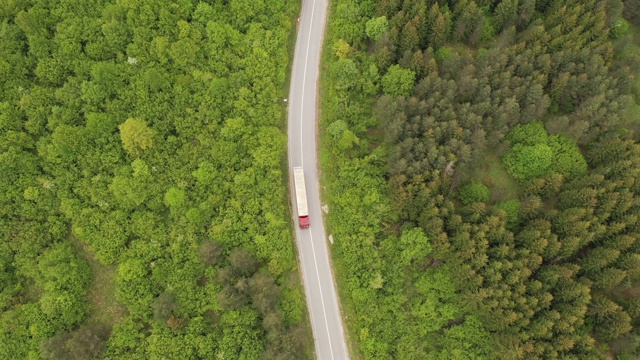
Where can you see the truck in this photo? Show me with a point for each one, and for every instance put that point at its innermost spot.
(301, 197)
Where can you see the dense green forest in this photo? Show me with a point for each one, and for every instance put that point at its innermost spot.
(143, 206)
(481, 162)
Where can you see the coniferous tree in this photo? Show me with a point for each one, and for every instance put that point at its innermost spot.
(438, 27)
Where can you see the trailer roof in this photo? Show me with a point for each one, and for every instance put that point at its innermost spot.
(301, 192)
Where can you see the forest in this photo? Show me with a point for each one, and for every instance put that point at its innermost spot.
(482, 164)
(143, 204)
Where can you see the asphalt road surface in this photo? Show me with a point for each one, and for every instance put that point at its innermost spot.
(320, 291)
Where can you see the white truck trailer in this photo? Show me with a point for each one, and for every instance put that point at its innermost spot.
(301, 197)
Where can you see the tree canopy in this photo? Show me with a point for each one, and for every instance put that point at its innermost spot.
(489, 209)
(141, 145)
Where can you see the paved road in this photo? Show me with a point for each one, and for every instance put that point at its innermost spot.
(320, 291)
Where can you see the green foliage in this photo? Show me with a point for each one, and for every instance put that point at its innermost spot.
(528, 134)
(505, 14)
(528, 161)
(122, 136)
(205, 173)
(128, 192)
(347, 140)
(239, 335)
(63, 279)
(31, 193)
(175, 197)
(512, 209)
(567, 159)
(127, 340)
(435, 305)
(619, 29)
(529, 156)
(344, 138)
(105, 233)
(468, 340)
(488, 29)
(443, 54)
(136, 136)
(376, 27)
(610, 320)
(415, 246)
(345, 74)
(341, 48)
(336, 129)
(474, 193)
(292, 304)
(516, 286)
(398, 81)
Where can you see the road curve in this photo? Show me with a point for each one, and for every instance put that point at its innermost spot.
(322, 300)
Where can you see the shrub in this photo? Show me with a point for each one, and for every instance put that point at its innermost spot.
(535, 154)
(619, 29)
(443, 54)
(528, 134)
(336, 129)
(377, 27)
(415, 245)
(567, 158)
(398, 81)
(473, 193)
(344, 74)
(528, 162)
(63, 278)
